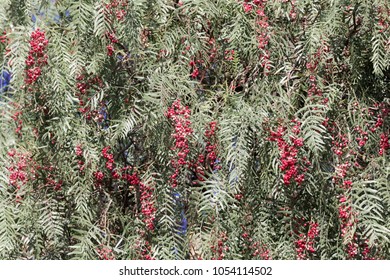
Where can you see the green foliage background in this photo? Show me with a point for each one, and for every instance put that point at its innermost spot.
(245, 99)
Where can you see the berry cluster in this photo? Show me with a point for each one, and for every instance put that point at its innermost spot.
(229, 55)
(21, 171)
(4, 38)
(359, 248)
(221, 248)
(347, 216)
(147, 205)
(105, 253)
(339, 144)
(52, 183)
(248, 5)
(211, 149)
(110, 50)
(208, 160)
(379, 112)
(384, 143)
(195, 68)
(348, 219)
(85, 87)
(345, 212)
(362, 136)
(79, 154)
(109, 158)
(289, 154)
(263, 35)
(144, 247)
(113, 40)
(204, 65)
(48, 176)
(293, 12)
(99, 175)
(254, 248)
(36, 57)
(366, 251)
(312, 65)
(117, 8)
(18, 122)
(146, 199)
(306, 242)
(313, 89)
(180, 117)
(384, 18)
(128, 174)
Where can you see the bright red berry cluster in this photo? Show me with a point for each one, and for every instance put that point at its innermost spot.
(348, 220)
(339, 144)
(18, 122)
(4, 38)
(50, 177)
(53, 184)
(292, 12)
(109, 158)
(342, 146)
(263, 33)
(289, 154)
(79, 150)
(221, 248)
(362, 137)
(384, 18)
(347, 216)
(87, 86)
(36, 57)
(248, 5)
(306, 242)
(21, 170)
(180, 117)
(99, 176)
(144, 247)
(113, 40)
(208, 160)
(110, 165)
(117, 8)
(359, 249)
(366, 251)
(146, 199)
(79, 154)
(195, 68)
(211, 147)
(261, 250)
(105, 253)
(130, 176)
(384, 143)
(110, 50)
(254, 248)
(229, 55)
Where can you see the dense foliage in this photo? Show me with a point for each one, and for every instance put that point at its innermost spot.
(194, 129)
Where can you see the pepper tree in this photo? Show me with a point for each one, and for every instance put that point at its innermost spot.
(194, 129)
